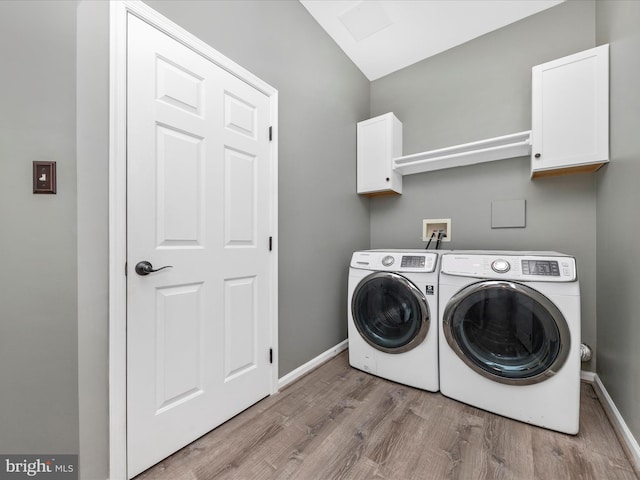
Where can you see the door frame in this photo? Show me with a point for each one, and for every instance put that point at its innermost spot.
(119, 11)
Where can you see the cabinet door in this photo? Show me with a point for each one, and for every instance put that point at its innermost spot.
(570, 113)
(379, 141)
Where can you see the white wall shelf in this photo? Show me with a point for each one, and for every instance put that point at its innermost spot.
(489, 150)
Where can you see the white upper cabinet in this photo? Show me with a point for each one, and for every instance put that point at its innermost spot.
(570, 114)
(569, 134)
(379, 142)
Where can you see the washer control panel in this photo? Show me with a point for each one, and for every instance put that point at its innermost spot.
(413, 261)
(395, 260)
(541, 267)
(531, 266)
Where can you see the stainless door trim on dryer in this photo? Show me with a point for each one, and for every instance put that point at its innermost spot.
(419, 308)
(557, 349)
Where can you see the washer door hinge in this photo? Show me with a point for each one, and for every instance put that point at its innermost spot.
(270, 133)
(271, 355)
(270, 243)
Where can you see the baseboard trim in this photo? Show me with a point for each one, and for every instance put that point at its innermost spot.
(628, 441)
(311, 364)
(589, 377)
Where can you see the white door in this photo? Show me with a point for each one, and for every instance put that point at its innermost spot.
(198, 200)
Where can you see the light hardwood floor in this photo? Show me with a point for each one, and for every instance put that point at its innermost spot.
(340, 423)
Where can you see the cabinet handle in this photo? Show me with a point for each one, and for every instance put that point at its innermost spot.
(145, 268)
(537, 155)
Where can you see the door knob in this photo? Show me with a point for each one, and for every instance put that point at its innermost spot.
(145, 268)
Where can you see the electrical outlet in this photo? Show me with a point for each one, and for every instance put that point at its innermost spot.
(436, 226)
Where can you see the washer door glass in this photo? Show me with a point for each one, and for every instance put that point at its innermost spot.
(507, 331)
(390, 312)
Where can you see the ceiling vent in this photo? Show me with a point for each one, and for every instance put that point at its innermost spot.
(365, 19)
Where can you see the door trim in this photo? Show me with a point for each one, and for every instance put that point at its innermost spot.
(119, 10)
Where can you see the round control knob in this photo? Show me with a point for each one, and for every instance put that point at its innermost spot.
(500, 266)
(388, 261)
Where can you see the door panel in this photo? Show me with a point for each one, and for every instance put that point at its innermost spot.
(240, 201)
(179, 325)
(240, 326)
(198, 200)
(239, 115)
(180, 207)
(179, 87)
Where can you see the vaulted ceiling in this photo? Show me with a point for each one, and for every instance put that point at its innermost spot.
(382, 36)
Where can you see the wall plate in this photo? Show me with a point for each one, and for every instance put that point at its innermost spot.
(44, 177)
(437, 225)
(508, 214)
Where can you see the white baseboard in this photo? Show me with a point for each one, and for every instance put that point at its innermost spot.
(629, 442)
(311, 364)
(589, 377)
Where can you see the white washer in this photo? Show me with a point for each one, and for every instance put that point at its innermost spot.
(393, 311)
(510, 335)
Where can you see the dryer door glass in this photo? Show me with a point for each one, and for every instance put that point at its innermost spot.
(390, 312)
(507, 331)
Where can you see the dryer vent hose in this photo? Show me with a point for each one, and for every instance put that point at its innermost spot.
(585, 352)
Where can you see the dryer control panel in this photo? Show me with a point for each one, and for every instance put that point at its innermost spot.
(511, 266)
(395, 260)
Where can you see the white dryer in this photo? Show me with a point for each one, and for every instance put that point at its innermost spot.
(510, 335)
(392, 311)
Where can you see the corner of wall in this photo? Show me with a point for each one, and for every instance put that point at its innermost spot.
(92, 77)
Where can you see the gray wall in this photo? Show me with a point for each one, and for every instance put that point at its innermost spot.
(618, 23)
(38, 323)
(479, 90)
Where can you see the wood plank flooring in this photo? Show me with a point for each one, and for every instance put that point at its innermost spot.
(340, 423)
